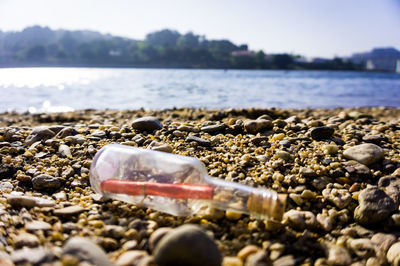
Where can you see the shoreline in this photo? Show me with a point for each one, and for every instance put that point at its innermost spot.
(342, 208)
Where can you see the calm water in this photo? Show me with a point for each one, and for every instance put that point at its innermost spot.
(63, 89)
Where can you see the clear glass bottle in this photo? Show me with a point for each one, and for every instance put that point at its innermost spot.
(175, 184)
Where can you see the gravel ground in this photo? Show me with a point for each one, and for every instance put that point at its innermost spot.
(340, 169)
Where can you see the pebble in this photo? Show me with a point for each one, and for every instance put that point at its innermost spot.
(362, 247)
(26, 240)
(99, 134)
(5, 259)
(133, 257)
(287, 260)
(383, 241)
(300, 219)
(232, 261)
(6, 186)
(157, 235)
(213, 128)
(29, 202)
(158, 146)
(325, 222)
(199, 141)
(340, 197)
(254, 126)
(86, 250)
(114, 231)
(321, 133)
(45, 182)
(37, 226)
(39, 134)
(393, 254)
(366, 153)
(284, 155)
(69, 211)
(65, 132)
(374, 206)
(356, 168)
(64, 151)
(391, 186)
(259, 258)
(187, 245)
(34, 256)
(147, 123)
(247, 251)
(337, 255)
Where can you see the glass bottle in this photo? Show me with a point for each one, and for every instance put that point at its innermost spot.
(175, 184)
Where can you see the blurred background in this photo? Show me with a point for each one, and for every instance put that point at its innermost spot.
(68, 55)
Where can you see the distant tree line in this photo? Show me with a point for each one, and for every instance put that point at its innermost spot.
(166, 48)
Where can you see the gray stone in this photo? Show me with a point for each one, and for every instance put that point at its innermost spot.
(391, 186)
(56, 128)
(86, 250)
(254, 126)
(64, 151)
(39, 134)
(258, 258)
(300, 219)
(26, 240)
(356, 168)
(287, 260)
(159, 146)
(69, 211)
(45, 182)
(374, 206)
(113, 231)
(68, 131)
(187, 245)
(99, 134)
(393, 254)
(133, 257)
(320, 133)
(21, 201)
(6, 186)
(34, 256)
(199, 141)
(37, 226)
(366, 153)
(213, 128)
(147, 123)
(157, 235)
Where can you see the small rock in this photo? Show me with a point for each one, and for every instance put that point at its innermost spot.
(325, 222)
(300, 219)
(26, 240)
(340, 197)
(34, 256)
(213, 128)
(6, 186)
(65, 132)
(356, 168)
(396, 172)
(68, 211)
(393, 254)
(187, 128)
(28, 202)
(307, 172)
(247, 251)
(362, 247)
(99, 134)
(45, 182)
(320, 133)
(383, 241)
(148, 123)
(64, 151)
(199, 141)
(132, 257)
(374, 206)
(38, 134)
(114, 231)
(374, 138)
(287, 260)
(337, 255)
(254, 126)
(187, 245)
(5, 259)
(232, 261)
(284, 155)
(37, 226)
(391, 186)
(259, 258)
(258, 140)
(158, 146)
(157, 235)
(367, 153)
(85, 250)
(56, 128)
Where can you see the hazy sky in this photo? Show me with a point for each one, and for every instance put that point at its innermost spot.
(309, 27)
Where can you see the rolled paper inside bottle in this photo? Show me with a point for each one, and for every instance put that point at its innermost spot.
(176, 191)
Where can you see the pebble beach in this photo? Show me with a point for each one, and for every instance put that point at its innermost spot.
(340, 170)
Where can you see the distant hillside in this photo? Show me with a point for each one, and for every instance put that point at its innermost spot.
(377, 53)
(41, 46)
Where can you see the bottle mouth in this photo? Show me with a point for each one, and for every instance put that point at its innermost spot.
(267, 204)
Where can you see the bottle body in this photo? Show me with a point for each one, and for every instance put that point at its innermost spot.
(174, 184)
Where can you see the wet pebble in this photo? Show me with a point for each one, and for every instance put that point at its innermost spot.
(366, 153)
(258, 258)
(147, 123)
(187, 245)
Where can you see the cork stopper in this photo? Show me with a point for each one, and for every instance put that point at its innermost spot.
(267, 204)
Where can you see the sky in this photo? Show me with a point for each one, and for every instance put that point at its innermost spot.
(313, 28)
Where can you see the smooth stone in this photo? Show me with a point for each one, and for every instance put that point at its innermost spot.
(37, 226)
(247, 251)
(337, 255)
(259, 258)
(362, 247)
(258, 140)
(86, 250)
(5, 259)
(366, 153)
(157, 235)
(39, 134)
(391, 186)
(56, 128)
(26, 240)
(34, 256)
(187, 245)
(383, 241)
(376, 139)
(300, 219)
(393, 254)
(354, 167)
(147, 123)
(374, 206)
(67, 211)
(133, 257)
(187, 128)
(45, 182)
(232, 261)
(65, 132)
(64, 150)
(287, 260)
(320, 133)
(199, 141)
(254, 126)
(113, 231)
(99, 134)
(159, 146)
(6, 186)
(213, 128)
(28, 201)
